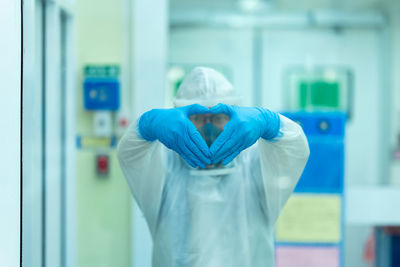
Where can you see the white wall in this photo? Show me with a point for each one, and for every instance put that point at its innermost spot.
(10, 74)
(227, 48)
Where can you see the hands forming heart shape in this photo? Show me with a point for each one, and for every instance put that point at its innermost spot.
(173, 128)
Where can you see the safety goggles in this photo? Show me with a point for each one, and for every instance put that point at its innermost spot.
(218, 120)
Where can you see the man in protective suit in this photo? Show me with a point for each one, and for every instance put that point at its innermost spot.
(210, 176)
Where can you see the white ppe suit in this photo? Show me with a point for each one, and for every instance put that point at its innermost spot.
(214, 221)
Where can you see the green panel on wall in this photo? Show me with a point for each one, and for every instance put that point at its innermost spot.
(319, 94)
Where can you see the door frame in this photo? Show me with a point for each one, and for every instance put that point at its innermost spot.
(60, 65)
(53, 34)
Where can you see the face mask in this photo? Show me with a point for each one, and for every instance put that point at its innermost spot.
(209, 133)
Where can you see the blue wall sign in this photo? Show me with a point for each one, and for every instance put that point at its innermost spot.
(101, 94)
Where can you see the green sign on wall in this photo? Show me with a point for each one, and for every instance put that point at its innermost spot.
(323, 88)
(319, 93)
(102, 71)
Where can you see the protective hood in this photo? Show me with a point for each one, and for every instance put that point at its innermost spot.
(206, 87)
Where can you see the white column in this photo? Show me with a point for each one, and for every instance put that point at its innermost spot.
(149, 57)
(32, 133)
(10, 137)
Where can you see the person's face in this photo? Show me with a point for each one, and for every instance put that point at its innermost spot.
(218, 120)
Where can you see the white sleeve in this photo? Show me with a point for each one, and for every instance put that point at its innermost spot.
(282, 162)
(143, 164)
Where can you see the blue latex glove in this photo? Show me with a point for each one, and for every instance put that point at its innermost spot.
(246, 126)
(173, 128)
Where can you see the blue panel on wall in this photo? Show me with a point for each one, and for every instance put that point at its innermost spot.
(320, 123)
(395, 251)
(101, 94)
(325, 168)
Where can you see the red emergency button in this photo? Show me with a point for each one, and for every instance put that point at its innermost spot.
(123, 122)
(102, 164)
